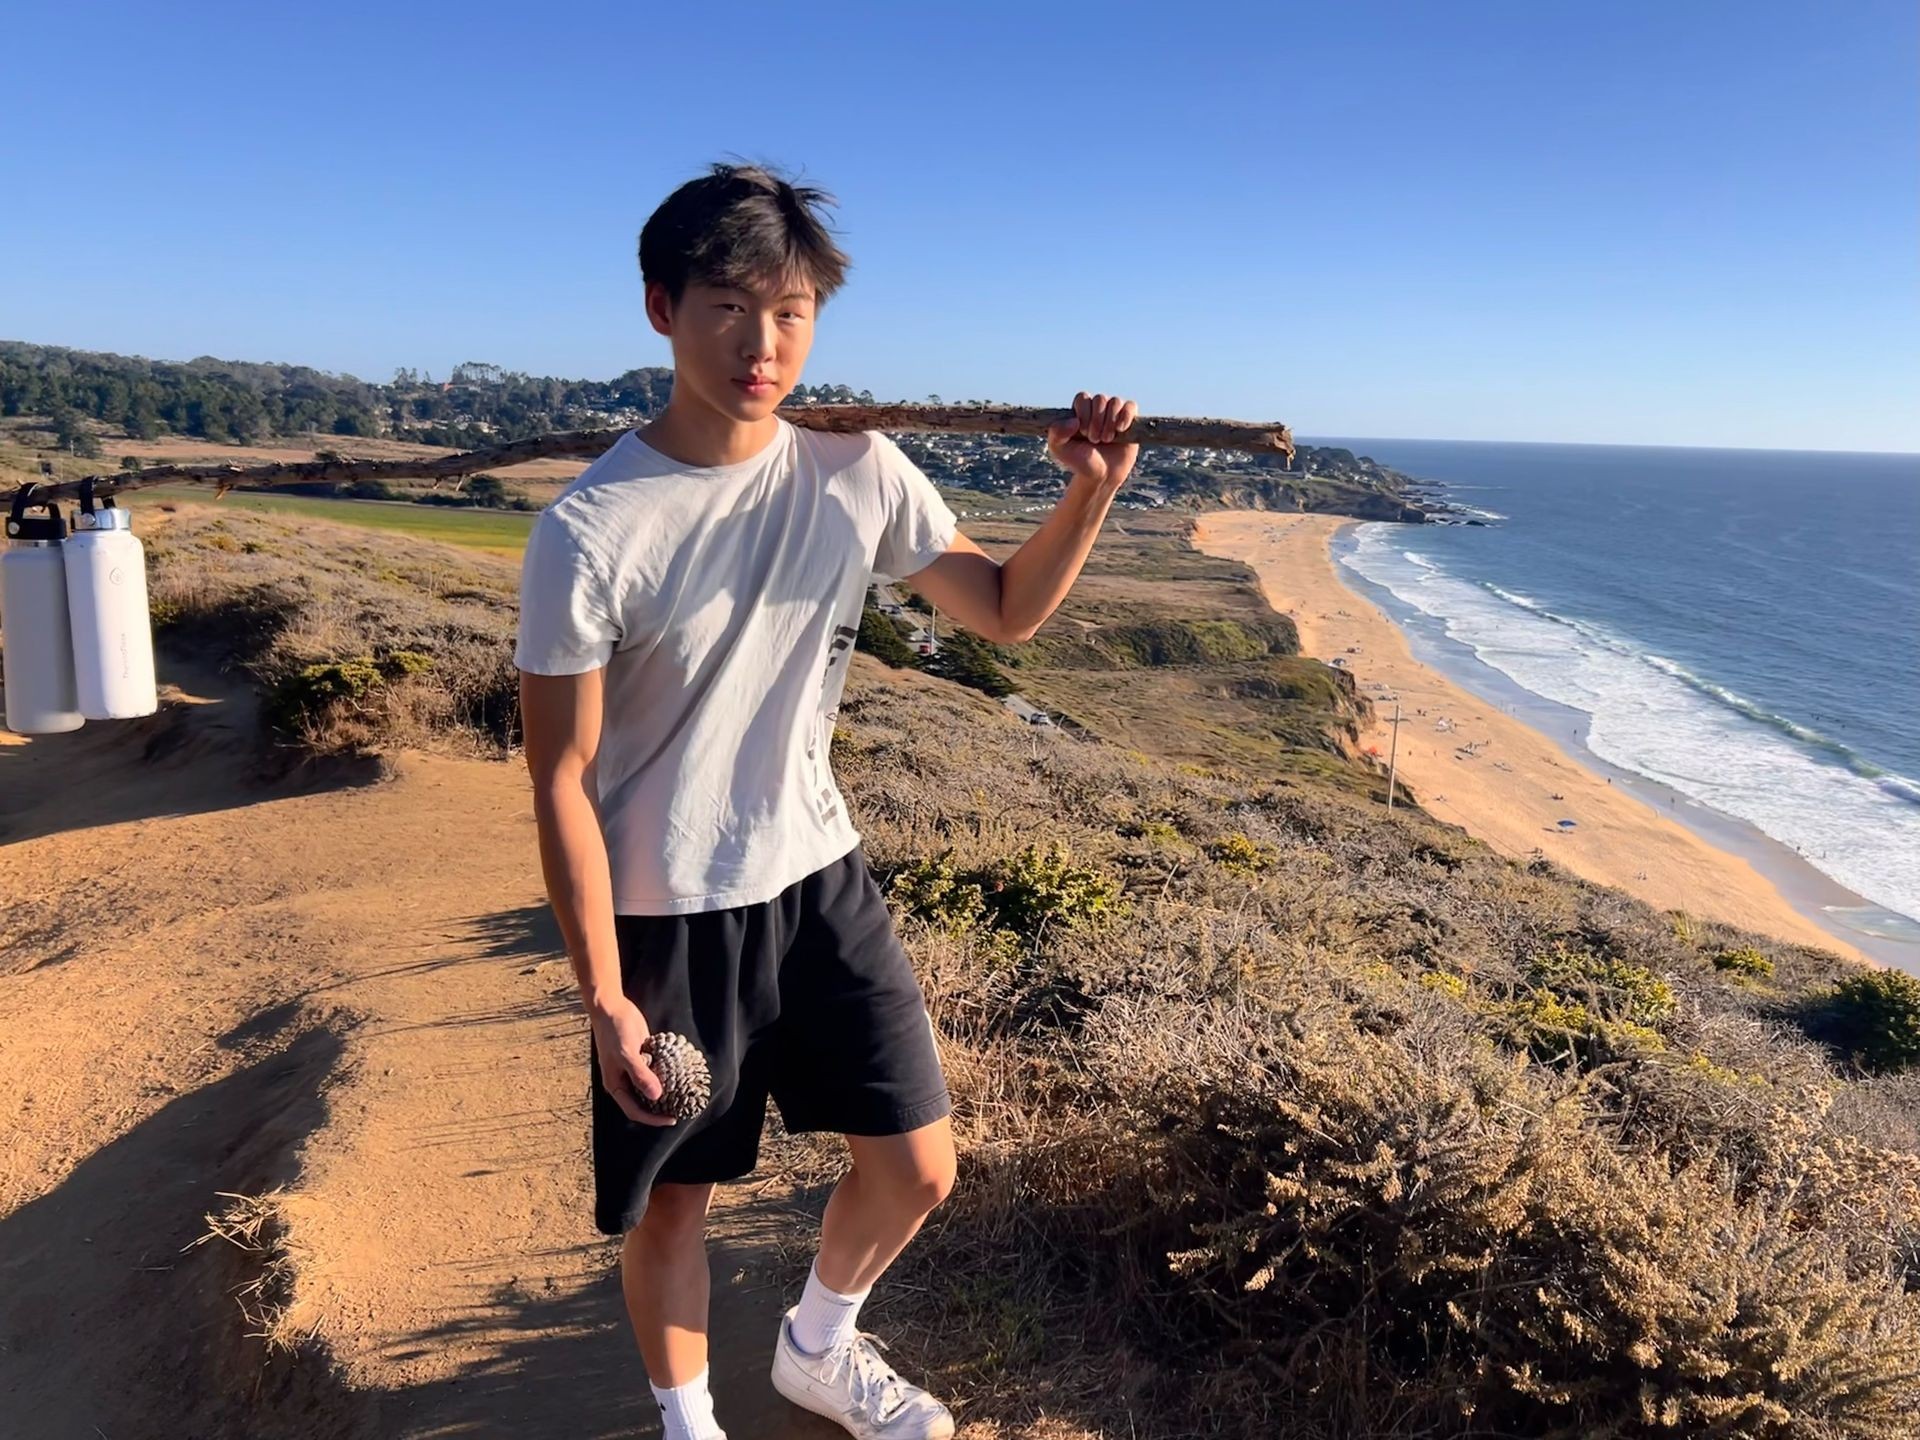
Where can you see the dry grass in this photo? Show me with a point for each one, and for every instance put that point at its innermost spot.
(279, 598)
(257, 1225)
(1269, 1156)
(1339, 1124)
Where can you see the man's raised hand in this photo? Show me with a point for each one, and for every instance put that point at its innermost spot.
(1084, 442)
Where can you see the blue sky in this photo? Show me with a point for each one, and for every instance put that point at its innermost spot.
(1681, 223)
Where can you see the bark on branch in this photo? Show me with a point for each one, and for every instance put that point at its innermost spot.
(586, 444)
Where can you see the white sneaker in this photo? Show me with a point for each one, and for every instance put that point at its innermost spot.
(851, 1384)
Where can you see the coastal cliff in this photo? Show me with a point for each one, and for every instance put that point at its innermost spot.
(1329, 479)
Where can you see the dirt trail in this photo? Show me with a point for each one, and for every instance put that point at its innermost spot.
(349, 985)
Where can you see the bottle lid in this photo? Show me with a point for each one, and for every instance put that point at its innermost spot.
(22, 526)
(110, 518)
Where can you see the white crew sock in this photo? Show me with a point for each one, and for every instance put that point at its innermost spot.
(686, 1411)
(824, 1317)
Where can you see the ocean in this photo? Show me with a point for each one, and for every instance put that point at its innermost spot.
(1738, 628)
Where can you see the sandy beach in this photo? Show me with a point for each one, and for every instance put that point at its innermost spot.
(1470, 763)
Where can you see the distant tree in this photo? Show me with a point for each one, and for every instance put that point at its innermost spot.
(71, 434)
(881, 638)
(487, 489)
(964, 658)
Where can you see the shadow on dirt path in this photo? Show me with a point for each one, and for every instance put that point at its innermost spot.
(112, 1320)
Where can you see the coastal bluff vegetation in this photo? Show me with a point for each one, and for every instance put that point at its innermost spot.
(1280, 1115)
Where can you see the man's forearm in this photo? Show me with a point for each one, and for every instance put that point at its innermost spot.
(573, 857)
(1037, 576)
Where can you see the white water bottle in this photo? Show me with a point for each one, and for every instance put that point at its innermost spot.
(34, 634)
(107, 602)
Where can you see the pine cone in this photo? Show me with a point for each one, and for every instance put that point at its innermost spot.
(685, 1084)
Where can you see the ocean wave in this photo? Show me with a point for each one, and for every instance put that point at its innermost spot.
(1476, 511)
(1900, 787)
(1760, 715)
(1851, 819)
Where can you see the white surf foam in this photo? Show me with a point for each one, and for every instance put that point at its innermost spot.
(1852, 821)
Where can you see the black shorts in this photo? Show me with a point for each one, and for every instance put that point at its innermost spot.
(807, 997)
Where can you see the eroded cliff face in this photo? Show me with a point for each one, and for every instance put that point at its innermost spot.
(1362, 501)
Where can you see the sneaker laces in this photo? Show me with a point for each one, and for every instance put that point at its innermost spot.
(876, 1378)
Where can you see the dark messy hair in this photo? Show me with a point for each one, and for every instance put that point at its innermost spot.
(740, 223)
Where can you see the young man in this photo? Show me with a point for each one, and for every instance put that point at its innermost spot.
(688, 609)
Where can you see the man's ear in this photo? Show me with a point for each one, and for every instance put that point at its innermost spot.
(659, 308)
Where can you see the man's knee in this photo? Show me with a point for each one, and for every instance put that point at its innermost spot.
(917, 1184)
(674, 1212)
(934, 1185)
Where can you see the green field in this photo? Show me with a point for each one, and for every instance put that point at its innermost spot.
(500, 532)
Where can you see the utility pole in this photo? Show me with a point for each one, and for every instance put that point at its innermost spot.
(1393, 754)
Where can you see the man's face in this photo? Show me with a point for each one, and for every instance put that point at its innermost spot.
(740, 350)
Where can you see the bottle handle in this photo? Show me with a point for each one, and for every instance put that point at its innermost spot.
(86, 497)
(23, 501)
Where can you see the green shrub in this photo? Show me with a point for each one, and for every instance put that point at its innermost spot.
(405, 662)
(1039, 886)
(1241, 855)
(1875, 1018)
(1160, 831)
(307, 694)
(931, 890)
(1614, 989)
(1020, 894)
(1585, 1006)
(302, 699)
(1744, 963)
(1723, 1074)
(1553, 1029)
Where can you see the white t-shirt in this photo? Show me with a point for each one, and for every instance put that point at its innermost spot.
(723, 601)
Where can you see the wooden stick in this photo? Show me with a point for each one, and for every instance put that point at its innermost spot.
(585, 444)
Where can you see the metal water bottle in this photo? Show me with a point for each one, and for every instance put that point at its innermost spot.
(34, 634)
(107, 601)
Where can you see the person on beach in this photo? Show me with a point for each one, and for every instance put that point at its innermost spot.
(688, 607)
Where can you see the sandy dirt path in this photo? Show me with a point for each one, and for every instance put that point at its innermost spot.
(350, 987)
(1488, 772)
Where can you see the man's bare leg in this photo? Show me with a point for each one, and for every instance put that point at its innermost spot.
(664, 1275)
(819, 1362)
(879, 1204)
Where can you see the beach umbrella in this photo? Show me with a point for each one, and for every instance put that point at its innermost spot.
(1566, 824)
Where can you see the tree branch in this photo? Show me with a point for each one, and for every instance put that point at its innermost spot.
(586, 444)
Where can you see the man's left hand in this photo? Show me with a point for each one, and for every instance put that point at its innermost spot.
(1083, 442)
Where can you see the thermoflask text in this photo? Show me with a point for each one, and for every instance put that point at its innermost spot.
(107, 599)
(34, 634)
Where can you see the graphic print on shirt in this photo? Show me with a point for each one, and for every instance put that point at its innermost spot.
(826, 801)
